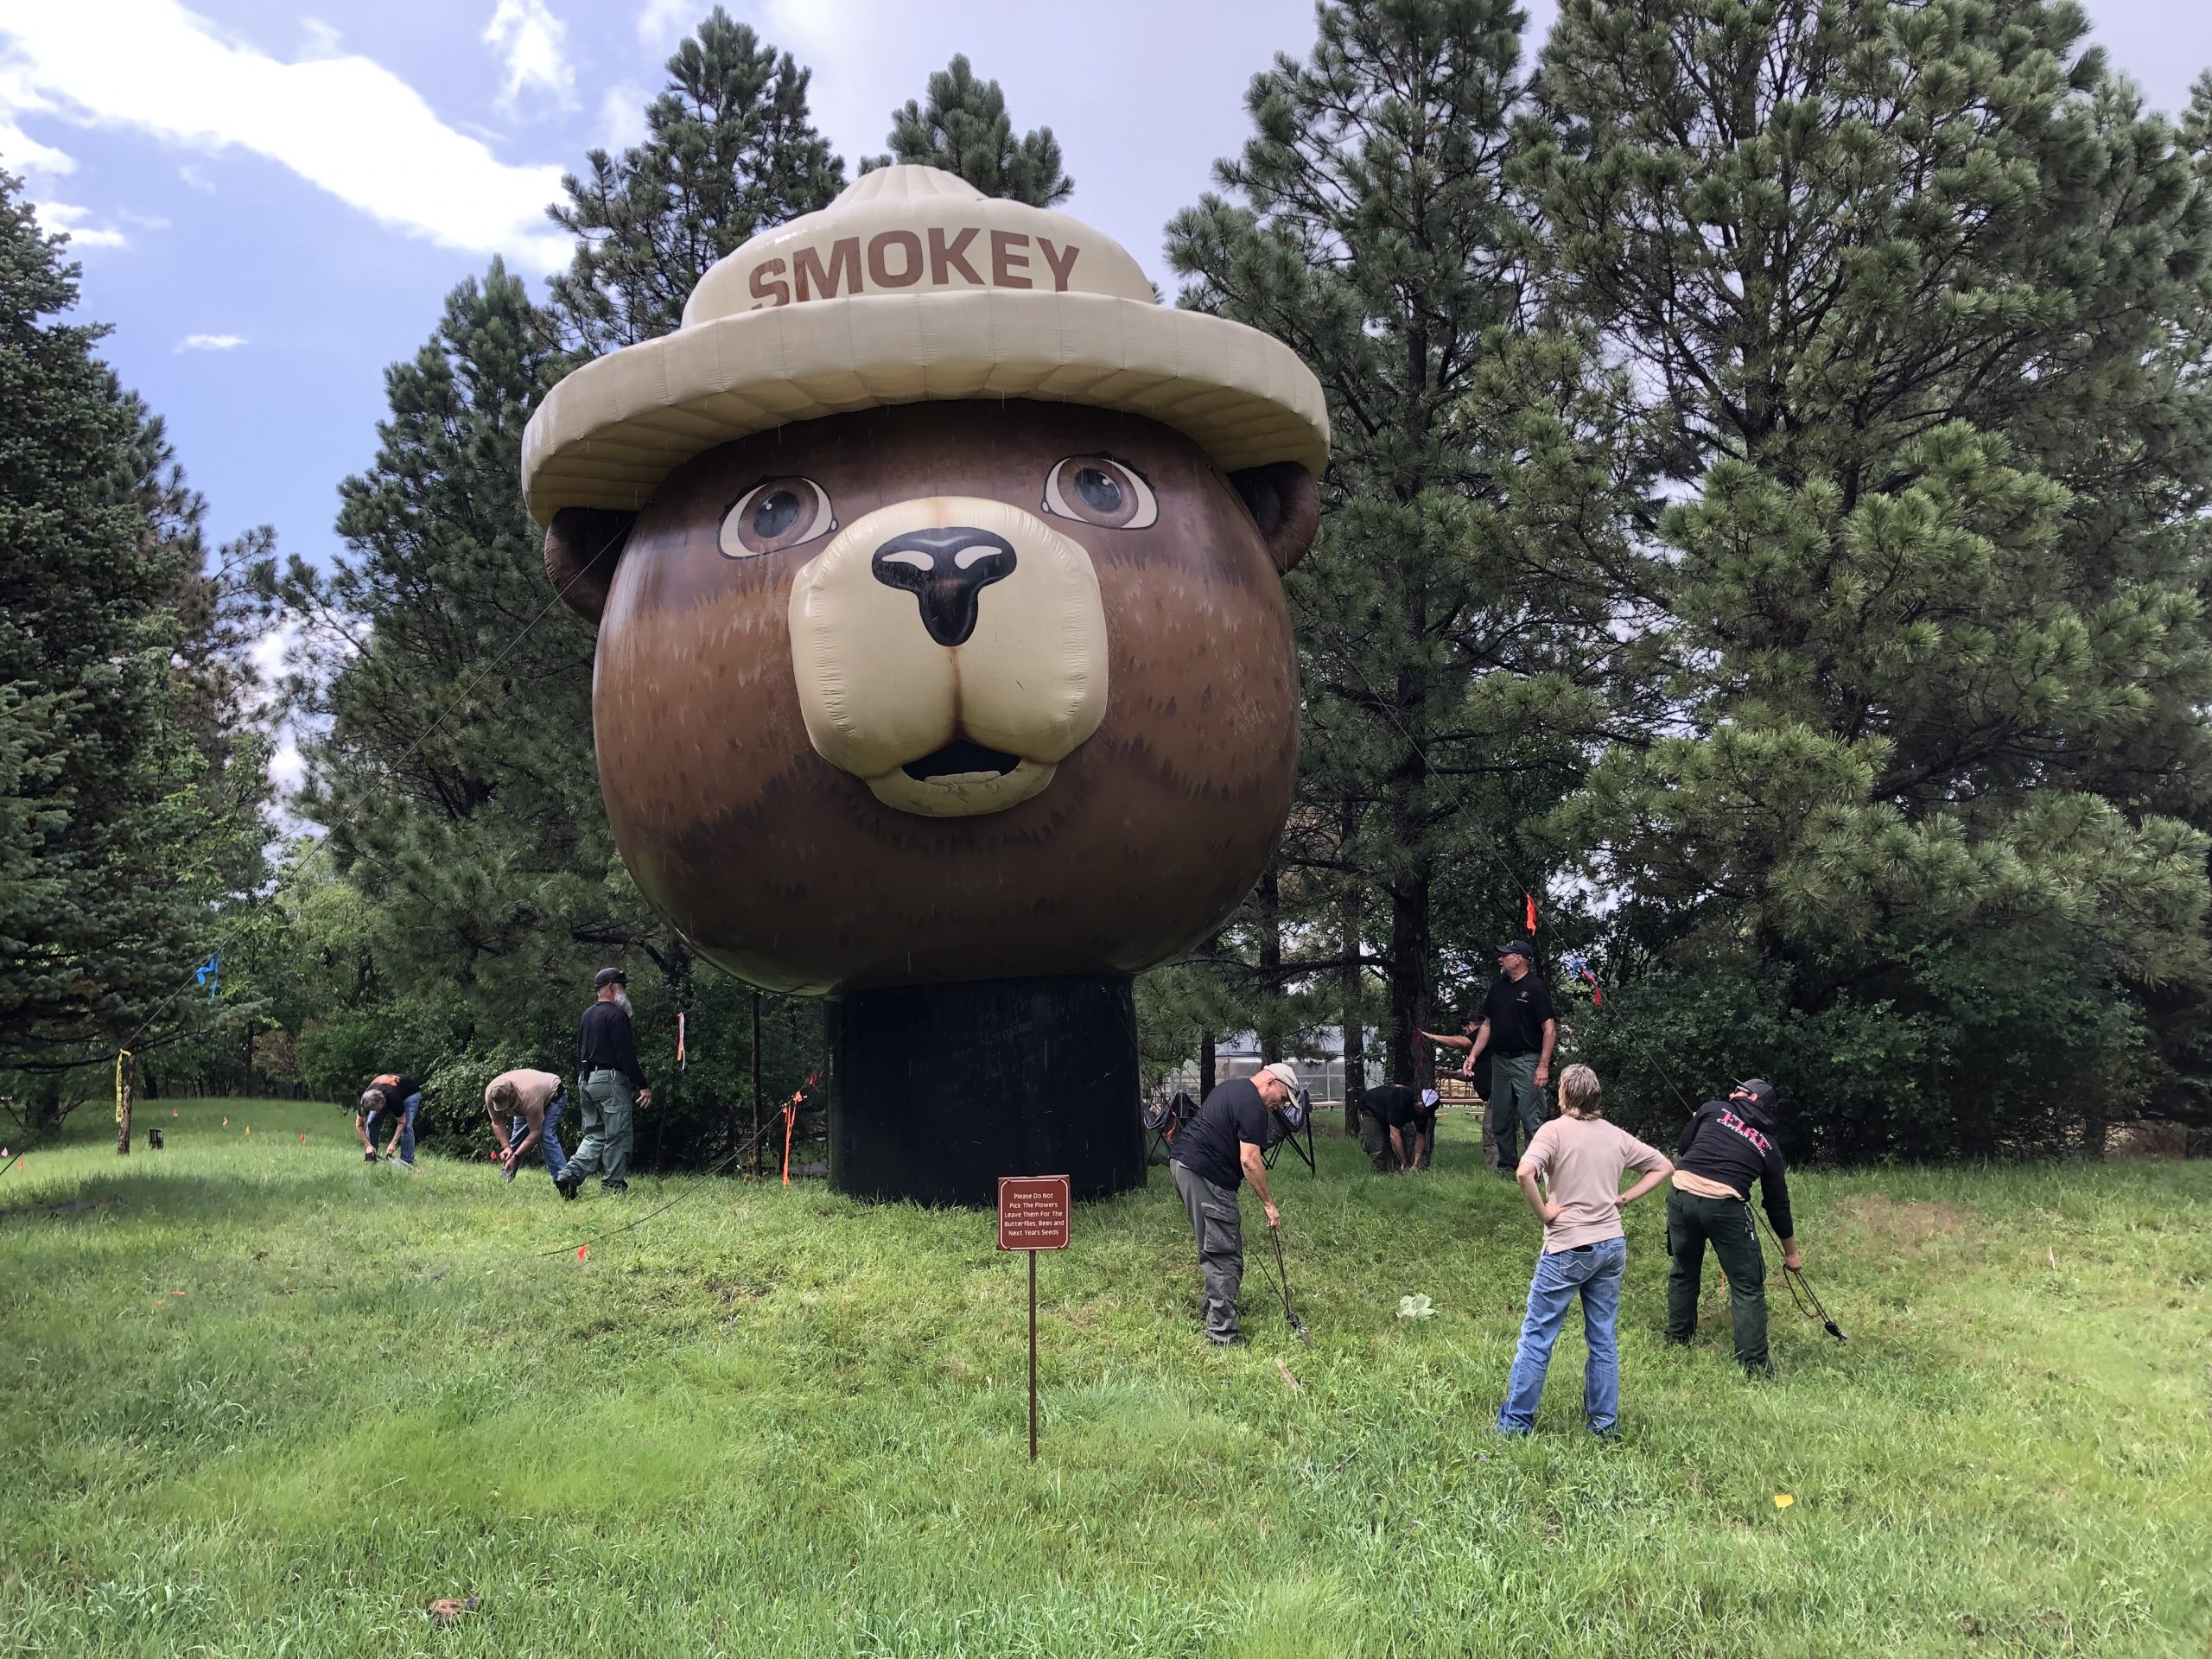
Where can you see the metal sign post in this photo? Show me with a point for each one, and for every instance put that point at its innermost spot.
(1033, 1212)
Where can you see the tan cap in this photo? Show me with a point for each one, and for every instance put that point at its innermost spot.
(1284, 1072)
(914, 286)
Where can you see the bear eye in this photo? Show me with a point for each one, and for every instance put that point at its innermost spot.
(774, 514)
(1100, 490)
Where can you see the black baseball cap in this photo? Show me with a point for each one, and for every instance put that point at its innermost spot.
(606, 976)
(1758, 1088)
(1520, 948)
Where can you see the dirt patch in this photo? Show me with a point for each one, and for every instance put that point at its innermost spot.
(1907, 1224)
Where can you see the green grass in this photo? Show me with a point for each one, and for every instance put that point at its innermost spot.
(260, 1399)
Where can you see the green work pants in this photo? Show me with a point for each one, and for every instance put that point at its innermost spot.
(1726, 1223)
(1517, 1107)
(608, 1105)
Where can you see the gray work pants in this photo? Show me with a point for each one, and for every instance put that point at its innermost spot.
(1219, 1230)
(608, 1103)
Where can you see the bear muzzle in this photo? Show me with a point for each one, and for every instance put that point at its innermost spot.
(951, 651)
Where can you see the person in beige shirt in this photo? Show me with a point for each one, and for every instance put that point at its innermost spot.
(1571, 1176)
(524, 1107)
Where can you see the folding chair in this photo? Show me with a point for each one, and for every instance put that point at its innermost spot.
(1293, 1128)
(1163, 1121)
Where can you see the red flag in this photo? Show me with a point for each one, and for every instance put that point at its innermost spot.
(580, 1249)
(1528, 909)
(679, 1042)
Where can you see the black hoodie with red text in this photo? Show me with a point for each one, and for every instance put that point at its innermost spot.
(1733, 1142)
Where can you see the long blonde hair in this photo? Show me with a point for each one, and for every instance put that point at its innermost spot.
(1580, 1091)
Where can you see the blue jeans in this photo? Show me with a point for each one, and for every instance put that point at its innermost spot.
(549, 1143)
(1596, 1273)
(380, 1127)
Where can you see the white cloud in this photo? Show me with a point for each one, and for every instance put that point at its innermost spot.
(345, 124)
(77, 221)
(533, 47)
(211, 342)
(20, 153)
(660, 22)
(622, 118)
(197, 179)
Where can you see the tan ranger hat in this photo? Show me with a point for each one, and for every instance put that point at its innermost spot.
(914, 286)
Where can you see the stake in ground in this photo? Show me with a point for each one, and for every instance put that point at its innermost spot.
(264, 1398)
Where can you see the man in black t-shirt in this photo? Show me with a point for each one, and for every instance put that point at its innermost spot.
(612, 1085)
(1397, 1126)
(388, 1106)
(1519, 1030)
(1217, 1149)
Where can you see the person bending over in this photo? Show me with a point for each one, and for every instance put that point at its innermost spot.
(1571, 1176)
(1725, 1145)
(388, 1107)
(1217, 1149)
(1397, 1126)
(525, 1108)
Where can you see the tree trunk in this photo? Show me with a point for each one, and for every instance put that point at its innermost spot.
(1350, 1013)
(1409, 914)
(1267, 1010)
(1205, 1066)
(124, 1080)
(1409, 953)
(756, 1083)
(2096, 1131)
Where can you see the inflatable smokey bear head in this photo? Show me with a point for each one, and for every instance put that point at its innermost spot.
(938, 573)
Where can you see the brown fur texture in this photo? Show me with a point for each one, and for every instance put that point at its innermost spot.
(788, 872)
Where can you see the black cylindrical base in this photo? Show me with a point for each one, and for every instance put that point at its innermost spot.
(937, 1091)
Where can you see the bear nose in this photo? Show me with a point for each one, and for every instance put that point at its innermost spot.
(946, 570)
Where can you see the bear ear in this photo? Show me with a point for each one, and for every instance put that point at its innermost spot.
(581, 547)
(1285, 504)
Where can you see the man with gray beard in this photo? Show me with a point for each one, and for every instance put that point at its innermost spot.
(607, 1065)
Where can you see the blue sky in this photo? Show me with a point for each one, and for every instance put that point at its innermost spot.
(271, 203)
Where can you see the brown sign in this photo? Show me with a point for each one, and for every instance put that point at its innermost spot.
(1032, 1212)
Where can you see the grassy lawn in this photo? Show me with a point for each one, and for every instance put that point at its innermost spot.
(260, 1398)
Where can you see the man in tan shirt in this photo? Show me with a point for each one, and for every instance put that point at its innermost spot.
(524, 1107)
(1579, 1158)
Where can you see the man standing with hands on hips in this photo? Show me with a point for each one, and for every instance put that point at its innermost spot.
(1218, 1150)
(1518, 1032)
(607, 1065)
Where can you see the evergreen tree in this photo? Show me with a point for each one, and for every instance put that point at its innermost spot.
(453, 770)
(1909, 294)
(1453, 617)
(964, 128)
(730, 149)
(115, 846)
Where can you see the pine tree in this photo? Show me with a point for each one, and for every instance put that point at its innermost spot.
(730, 149)
(1909, 294)
(453, 771)
(1453, 615)
(108, 866)
(964, 128)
